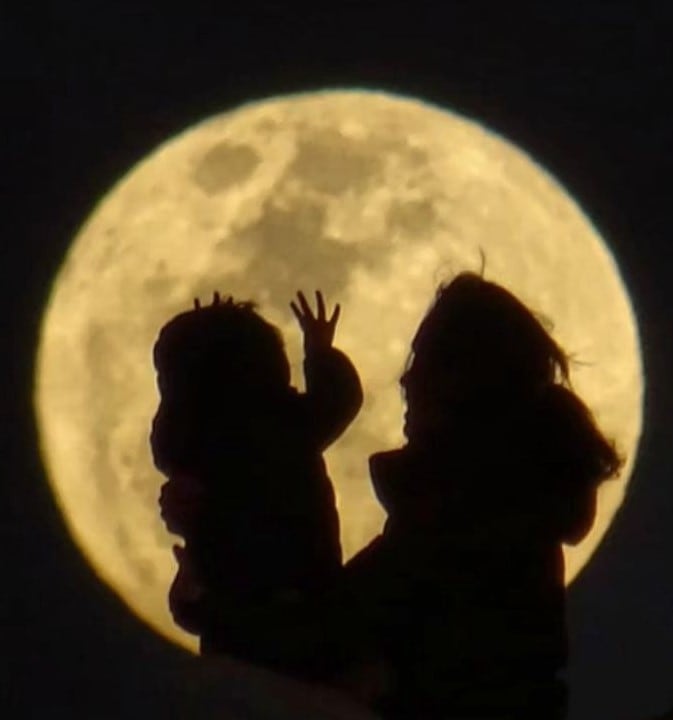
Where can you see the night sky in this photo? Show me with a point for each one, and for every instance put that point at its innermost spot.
(86, 94)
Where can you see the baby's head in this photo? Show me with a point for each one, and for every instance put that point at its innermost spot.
(225, 347)
(218, 367)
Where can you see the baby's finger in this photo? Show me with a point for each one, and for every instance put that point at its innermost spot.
(305, 307)
(335, 316)
(320, 302)
(304, 304)
(297, 314)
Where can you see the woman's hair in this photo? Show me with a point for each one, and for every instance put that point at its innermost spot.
(492, 352)
(481, 331)
(570, 441)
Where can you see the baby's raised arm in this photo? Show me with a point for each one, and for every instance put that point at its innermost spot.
(333, 389)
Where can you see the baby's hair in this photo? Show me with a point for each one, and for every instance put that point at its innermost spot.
(216, 301)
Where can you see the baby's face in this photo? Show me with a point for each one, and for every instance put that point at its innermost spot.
(171, 436)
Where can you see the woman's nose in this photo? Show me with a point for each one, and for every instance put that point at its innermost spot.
(404, 380)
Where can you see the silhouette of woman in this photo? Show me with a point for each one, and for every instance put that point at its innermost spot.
(247, 485)
(459, 603)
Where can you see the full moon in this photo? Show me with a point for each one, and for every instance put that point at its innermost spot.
(374, 199)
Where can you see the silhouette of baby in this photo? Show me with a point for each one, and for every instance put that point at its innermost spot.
(460, 601)
(247, 485)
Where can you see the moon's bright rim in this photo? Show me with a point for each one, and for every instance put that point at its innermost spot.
(372, 197)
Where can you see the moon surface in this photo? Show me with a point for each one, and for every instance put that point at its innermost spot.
(371, 197)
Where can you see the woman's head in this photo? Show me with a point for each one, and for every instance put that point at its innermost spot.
(487, 385)
(476, 341)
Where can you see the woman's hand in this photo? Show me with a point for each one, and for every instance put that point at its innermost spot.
(182, 501)
(186, 593)
(318, 330)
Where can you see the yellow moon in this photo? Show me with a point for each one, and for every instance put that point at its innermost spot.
(371, 197)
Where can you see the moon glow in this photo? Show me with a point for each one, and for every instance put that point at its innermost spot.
(373, 198)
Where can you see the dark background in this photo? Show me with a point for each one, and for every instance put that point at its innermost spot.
(88, 89)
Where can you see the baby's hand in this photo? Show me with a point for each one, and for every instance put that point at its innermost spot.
(318, 330)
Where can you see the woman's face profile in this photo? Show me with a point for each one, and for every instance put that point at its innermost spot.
(428, 392)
